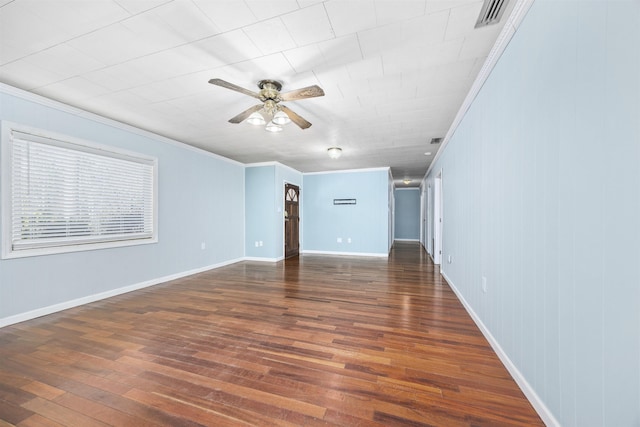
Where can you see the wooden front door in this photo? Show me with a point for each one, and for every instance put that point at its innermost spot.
(291, 220)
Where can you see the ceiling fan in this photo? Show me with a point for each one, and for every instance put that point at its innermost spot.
(271, 97)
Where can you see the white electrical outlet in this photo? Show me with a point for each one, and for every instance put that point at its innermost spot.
(260, 243)
(257, 244)
(348, 239)
(203, 245)
(339, 239)
(484, 284)
(450, 259)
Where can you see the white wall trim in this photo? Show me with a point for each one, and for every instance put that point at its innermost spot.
(513, 22)
(276, 163)
(22, 317)
(262, 259)
(385, 168)
(542, 409)
(65, 108)
(271, 163)
(365, 254)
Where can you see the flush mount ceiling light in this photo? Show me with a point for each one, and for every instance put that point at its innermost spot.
(334, 152)
(428, 153)
(406, 181)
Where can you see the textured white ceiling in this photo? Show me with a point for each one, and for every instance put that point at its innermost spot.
(395, 72)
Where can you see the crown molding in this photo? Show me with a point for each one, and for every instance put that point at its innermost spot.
(385, 168)
(271, 163)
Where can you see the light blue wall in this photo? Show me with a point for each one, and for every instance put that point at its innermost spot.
(264, 190)
(366, 222)
(407, 213)
(197, 192)
(260, 211)
(541, 185)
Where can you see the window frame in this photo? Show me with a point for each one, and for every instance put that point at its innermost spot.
(67, 245)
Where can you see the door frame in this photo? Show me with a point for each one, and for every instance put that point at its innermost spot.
(284, 220)
(429, 210)
(423, 216)
(421, 232)
(437, 218)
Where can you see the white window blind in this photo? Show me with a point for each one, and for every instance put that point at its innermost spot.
(69, 194)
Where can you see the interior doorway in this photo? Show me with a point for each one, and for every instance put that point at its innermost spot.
(429, 209)
(423, 217)
(291, 220)
(437, 219)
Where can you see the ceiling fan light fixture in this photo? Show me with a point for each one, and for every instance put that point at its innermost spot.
(270, 96)
(334, 152)
(273, 127)
(281, 118)
(256, 119)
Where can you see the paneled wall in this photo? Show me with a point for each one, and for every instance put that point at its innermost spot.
(541, 187)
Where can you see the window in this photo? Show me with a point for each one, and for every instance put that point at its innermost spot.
(60, 194)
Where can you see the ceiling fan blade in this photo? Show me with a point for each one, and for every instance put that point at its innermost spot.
(246, 113)
(225, 84)
(305, 92)
(295, 118)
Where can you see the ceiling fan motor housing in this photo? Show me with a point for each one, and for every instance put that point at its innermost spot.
(269, 90)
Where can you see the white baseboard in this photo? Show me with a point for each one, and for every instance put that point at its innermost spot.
(17, 318)
(537, 403)
(367, 254)
(406, 240)
(262, 259)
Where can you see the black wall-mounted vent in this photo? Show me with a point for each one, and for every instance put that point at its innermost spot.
(491, 12)
(344, 201)
(435, 140)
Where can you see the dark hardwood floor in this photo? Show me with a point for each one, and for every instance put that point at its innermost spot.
(310, 341)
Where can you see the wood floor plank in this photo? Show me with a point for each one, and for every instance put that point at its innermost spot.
(215, 403)
(13, 413)
(43, 390)
(315, 340)
(240, 390)
(100, 412)
(61, 414)
(38, 420)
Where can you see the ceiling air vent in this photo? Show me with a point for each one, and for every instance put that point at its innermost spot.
(436, 140)
(491, 12)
